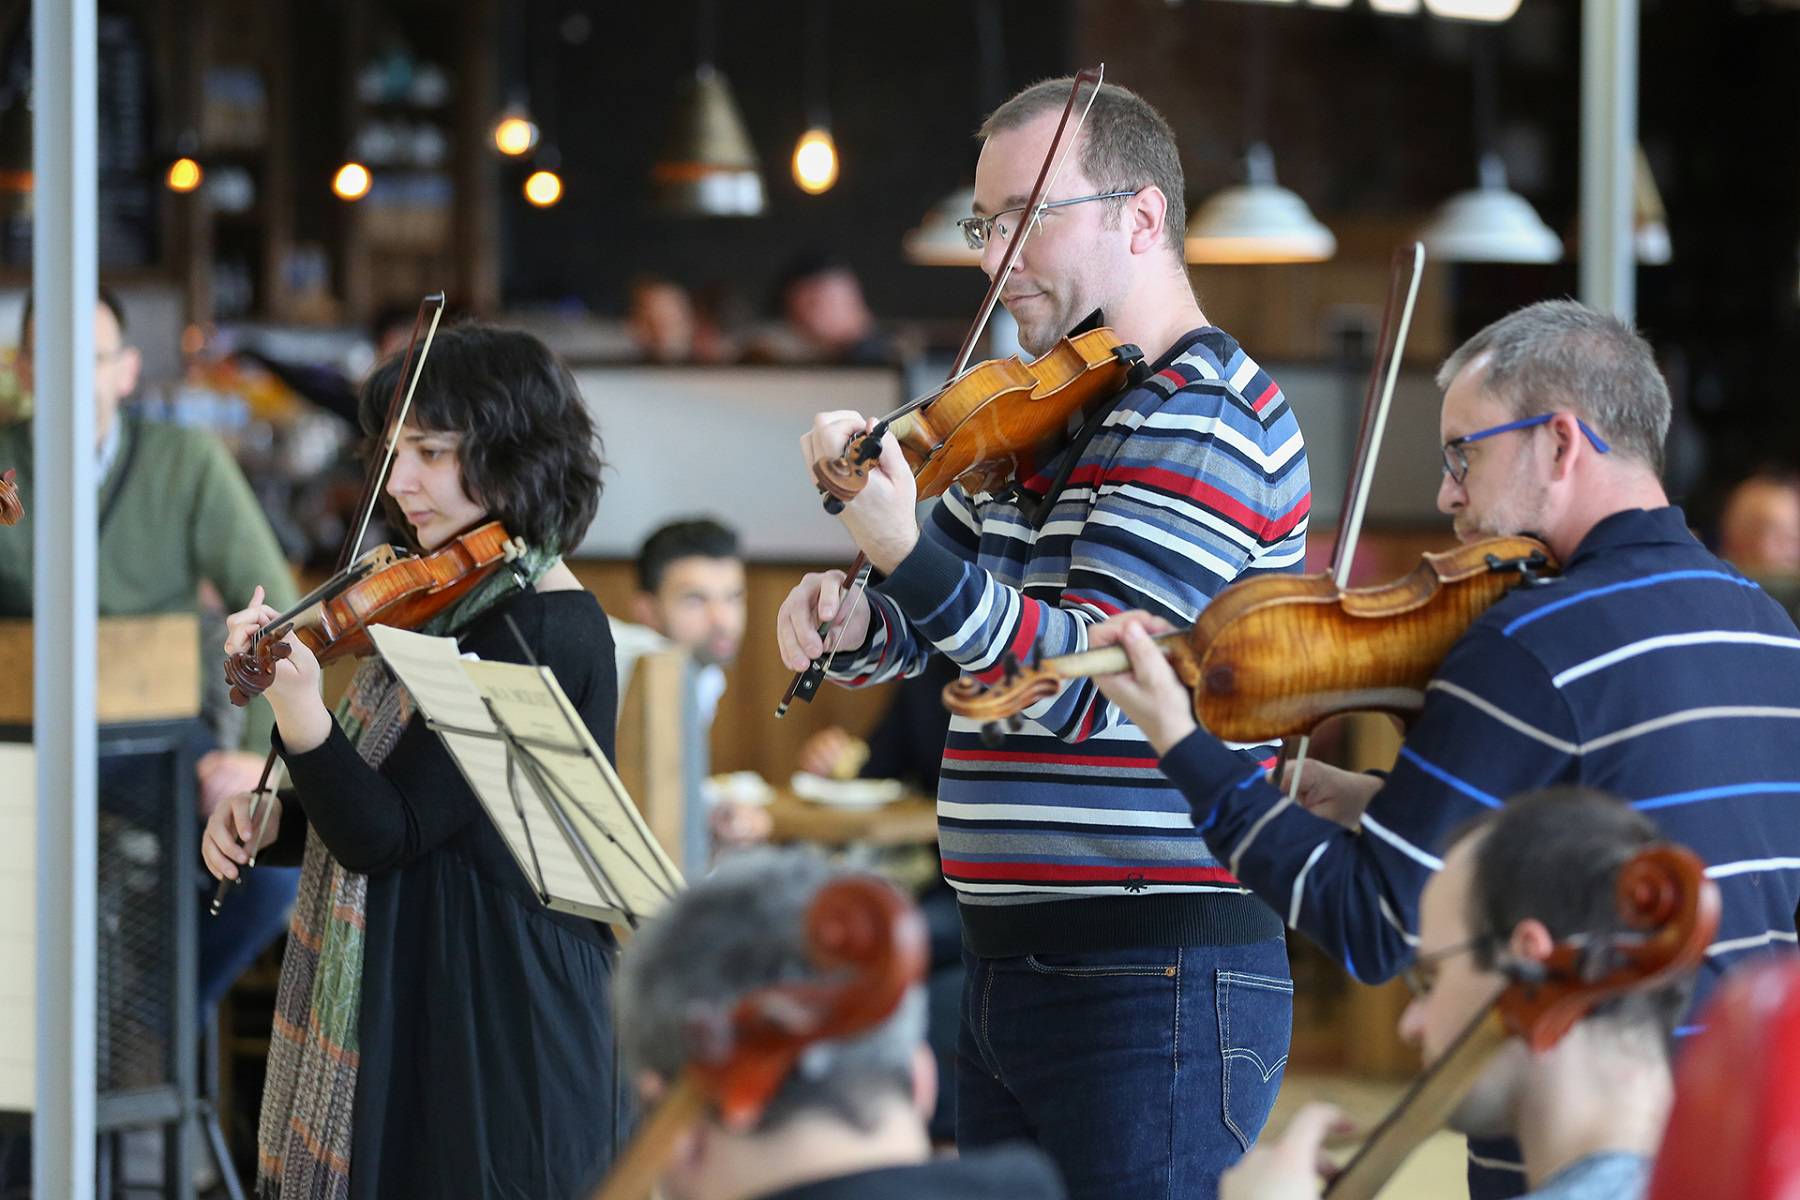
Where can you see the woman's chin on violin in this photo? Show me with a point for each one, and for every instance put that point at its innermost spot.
(426, 485)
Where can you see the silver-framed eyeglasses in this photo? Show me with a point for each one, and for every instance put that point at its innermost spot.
(976, 230)
(1456, 463)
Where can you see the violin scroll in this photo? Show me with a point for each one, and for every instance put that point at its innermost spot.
(251, 672)
(12, 509)
(1668, 912)
(870, 944)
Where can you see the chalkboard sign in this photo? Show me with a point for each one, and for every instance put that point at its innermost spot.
(129, 169)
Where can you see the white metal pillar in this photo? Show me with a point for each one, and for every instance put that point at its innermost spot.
(1609, 87)
(63, 511)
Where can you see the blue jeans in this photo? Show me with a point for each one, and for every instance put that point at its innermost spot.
(1143, 1073)
(254, 914)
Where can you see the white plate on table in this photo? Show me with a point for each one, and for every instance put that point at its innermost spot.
(846, 793)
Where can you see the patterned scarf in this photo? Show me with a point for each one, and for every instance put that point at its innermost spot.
(303, 1139)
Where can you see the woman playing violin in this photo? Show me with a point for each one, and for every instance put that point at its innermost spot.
(438, 1032)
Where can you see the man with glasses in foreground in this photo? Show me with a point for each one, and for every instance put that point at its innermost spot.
(1127, 1004)
(1588, 1112)
(1647, 667)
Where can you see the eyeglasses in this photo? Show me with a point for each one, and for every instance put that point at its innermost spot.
(1456, 463)
(1422, 973)
(976, 230)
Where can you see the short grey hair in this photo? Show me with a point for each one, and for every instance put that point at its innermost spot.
(1126, 145)
(739, 929)
(1559, 355)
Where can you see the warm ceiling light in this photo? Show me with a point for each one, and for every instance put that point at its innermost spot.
(515, 135)
(351, 182)
(815, 161)
(708, 166)
(184, 175)
(1490, 223)
(1258, 221)
(1400, 8)
(1472, 10)
(544, 188)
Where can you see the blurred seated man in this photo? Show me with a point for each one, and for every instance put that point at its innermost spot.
(1589, 1112)
(849, 1121)
(691, 594)
(825, 317)
(661, 320)
(175, 515)
(1759, 528)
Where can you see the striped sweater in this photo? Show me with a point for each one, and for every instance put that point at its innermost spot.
(1067, 837)
(1649, 668)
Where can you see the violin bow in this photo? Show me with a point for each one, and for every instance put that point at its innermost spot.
(866, 447)
(398, 407)
(1396, 322)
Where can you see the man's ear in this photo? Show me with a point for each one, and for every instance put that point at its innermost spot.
(924, 1082)
(1148, 214)
(1531, 942)
(1569, 439)
(131, 365)
(643, 610)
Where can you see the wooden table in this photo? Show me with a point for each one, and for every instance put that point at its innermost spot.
(908, 821)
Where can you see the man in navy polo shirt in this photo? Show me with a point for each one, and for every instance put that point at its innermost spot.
(1648, 668)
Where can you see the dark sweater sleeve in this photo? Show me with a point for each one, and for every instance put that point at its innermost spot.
(375, 820)
(1493, 725)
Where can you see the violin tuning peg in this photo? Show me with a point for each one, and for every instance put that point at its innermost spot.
(1009, 666)
(992, 736)
(1014, 724)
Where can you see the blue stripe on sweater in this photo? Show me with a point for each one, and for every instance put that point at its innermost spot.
(1627, 585)
(1442, 776)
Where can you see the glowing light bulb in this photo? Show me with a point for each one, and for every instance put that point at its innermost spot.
(1472, 10)
(184, 175)
(815, 161)
(544, 188)
(515, 135)
(351, 182)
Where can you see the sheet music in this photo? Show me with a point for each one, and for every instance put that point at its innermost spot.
(634, 876)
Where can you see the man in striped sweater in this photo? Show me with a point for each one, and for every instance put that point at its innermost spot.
(1127, 1003)
(1647, 668)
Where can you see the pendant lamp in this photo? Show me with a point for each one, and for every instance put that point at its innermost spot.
(708, 167)
(1257, 222)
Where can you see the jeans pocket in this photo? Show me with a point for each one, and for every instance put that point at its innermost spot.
(1105, 963)
(1256, 1020)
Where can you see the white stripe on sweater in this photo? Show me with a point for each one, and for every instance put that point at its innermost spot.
(1300, 885)
(1168, 541)
(1703, 637)
(1401, 844)
(1748, 943)
(1029, 813)
(1750, 866)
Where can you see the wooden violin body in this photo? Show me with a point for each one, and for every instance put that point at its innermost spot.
(998, 421)
(381, 588)
(12, 509)
(1274, 655)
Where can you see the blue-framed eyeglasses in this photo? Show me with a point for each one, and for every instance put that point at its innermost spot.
(1456, 463)
(976, 230)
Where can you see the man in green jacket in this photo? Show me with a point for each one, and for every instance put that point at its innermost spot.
(175, 513)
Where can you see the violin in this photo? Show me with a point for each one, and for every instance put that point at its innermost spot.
(1669, 912)
(870, 946)
(998, 421)
(1273, 656)
(339, 610)
(383, 587)
(12, 509)
(989, 423)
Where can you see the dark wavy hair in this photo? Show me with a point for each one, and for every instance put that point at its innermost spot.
(529, 451)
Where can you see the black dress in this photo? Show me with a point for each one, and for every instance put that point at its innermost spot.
(485, 1032)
